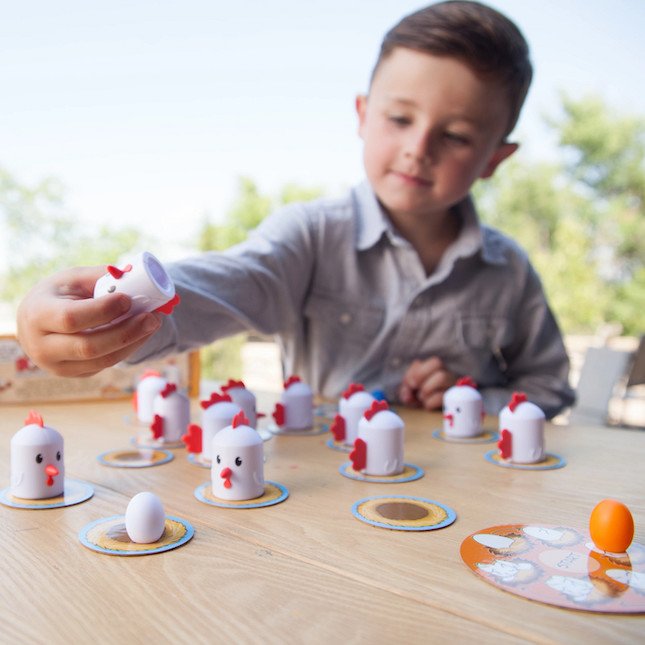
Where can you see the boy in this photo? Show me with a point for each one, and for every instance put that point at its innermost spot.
(396, 285)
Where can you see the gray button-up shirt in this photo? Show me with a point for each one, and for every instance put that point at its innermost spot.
(349, 301)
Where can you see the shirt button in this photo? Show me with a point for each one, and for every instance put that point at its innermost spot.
(346, 318)
(418, 302)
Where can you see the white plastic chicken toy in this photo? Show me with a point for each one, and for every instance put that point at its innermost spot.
(237, 471)
(145, 281)
(521, 428)
(150, 384)
(351, 407)
(37, 461)
(296, 408)
(244, 398)
(463, 410)
(219, 412)
(378, 450)
(171, 415)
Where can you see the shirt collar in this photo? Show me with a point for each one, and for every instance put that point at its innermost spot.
(373, 223)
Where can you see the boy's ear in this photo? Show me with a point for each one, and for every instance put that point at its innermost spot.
(361, 109)
(504, 151)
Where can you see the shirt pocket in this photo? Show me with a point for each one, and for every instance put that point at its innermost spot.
(484, 332)
(333, 322)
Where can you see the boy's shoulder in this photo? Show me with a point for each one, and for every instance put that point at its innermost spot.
(498, 247)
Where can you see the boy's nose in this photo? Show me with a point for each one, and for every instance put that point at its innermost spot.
(419, 147)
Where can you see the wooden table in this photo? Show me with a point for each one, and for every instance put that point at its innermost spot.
(305, 570)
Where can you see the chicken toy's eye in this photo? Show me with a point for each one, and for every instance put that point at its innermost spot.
(111, 288)
(58, 456)
(218, 459)
(39, 458)
(457, 409)
(238, 461)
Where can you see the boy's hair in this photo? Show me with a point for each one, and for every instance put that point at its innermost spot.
(478, 36)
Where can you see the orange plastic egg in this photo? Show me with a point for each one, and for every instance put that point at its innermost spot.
(611, 526)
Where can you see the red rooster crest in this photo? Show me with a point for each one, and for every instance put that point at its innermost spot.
(377, 406)
(34, 419)
(466, 380)
(232, 384)
(117, 273)
(518, 397)
(240, 420)
(352, 389)
(168, 390)
(291, 380)
(215, 398)
(168, 307)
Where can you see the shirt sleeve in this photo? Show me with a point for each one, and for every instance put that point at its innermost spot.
(536, 362)
(259, 284)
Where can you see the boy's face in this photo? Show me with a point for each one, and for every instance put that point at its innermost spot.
(430, 129)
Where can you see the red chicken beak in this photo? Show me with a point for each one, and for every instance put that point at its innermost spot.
(51, 471)
(226, 476)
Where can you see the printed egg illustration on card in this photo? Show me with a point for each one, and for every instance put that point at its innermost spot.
(237, 471)
(37, 461)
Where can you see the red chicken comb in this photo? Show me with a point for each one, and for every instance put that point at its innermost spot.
(33, 418)
(231, 384)
(291, 380)
(518, 397)
(215, 398)
(168, 390)
(240, 420)
(117, 273)
(377, 406)
(148, 373)
(352, 389)
(466, 380)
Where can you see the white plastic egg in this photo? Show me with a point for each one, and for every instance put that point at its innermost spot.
(145, 518)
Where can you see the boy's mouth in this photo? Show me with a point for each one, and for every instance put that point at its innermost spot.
(411, 179)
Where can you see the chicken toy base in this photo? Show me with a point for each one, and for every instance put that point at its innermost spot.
(145, 440)
(488, 436)
(558, 565)
(273, 494)
(109, 536)
(550, 462)
(143, 458)
(402, 513)
(74, 492)
(317, 428)
(410, 473)
(338, 445)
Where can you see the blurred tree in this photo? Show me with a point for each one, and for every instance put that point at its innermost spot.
(44, 236)
(222, 359)
(581, 220)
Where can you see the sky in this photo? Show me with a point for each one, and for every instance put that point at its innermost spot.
(149, 111)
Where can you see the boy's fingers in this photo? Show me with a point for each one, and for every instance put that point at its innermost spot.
(90, 352)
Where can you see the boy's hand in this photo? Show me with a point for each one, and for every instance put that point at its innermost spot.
(57, 323)
(425, 382)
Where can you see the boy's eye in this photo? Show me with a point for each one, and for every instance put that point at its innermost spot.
(399, 119)
(455, 137)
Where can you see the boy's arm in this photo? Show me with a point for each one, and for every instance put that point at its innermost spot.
(62, 328)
